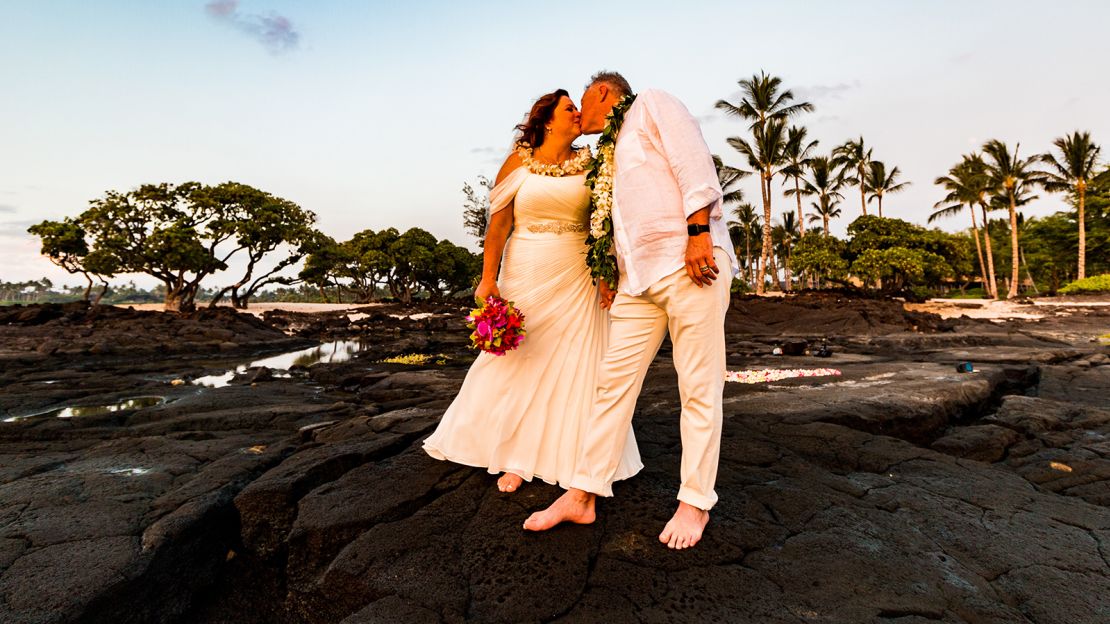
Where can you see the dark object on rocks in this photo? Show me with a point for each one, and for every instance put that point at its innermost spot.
(823, 351)
(965, 367)
(794, 347)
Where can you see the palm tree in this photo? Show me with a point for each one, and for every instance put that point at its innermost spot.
(853, 158)
(764, 155)
(767, 106)
(746, 224)
(786, 234)
(880, 182)
(1011, 176)
(730, 177)
(762, 101)
(795, 158)
(824, 182)
(966, 183)
(1072, 172)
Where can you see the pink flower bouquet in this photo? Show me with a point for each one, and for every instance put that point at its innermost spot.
(497, 327)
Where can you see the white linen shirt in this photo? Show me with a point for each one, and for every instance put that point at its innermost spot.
(664, 173)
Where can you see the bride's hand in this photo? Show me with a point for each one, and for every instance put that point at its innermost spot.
(607, 294)
(485, 289)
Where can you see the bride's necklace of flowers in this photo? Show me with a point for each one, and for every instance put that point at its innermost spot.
(599, 257)
(572, 166)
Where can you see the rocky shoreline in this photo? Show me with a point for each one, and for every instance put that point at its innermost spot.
(899, 491)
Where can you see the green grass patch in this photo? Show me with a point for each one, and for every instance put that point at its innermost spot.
(1091, 285)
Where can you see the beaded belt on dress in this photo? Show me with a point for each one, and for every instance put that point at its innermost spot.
(557, 227)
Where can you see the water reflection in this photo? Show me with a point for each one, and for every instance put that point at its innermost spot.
(135, 403)
(327, 353)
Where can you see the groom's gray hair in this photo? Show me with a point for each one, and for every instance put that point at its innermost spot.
(612, 79)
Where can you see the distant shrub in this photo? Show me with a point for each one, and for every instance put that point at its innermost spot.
(1096, 284)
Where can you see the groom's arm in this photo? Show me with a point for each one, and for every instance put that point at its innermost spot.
(678, 137)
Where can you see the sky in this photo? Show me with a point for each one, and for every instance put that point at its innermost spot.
(374, 114)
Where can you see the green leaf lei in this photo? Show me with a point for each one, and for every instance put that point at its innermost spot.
(599, 242)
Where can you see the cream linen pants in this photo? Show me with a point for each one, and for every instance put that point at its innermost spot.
(695, 318)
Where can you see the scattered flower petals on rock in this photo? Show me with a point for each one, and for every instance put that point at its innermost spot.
(775, 374)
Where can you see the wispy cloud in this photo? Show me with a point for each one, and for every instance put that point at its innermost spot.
(6, 208)
(819, 92)
(16, 228)
(487, 151)
(273, 31)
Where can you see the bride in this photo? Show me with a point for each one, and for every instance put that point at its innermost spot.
(524, 413)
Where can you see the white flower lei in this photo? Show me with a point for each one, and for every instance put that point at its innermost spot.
(602, 191)
(571, 166)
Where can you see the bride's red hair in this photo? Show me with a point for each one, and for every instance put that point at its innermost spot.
(533, 130)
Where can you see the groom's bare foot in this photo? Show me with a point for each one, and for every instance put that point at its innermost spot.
(509, 482)
(573, 506)
(685, 527)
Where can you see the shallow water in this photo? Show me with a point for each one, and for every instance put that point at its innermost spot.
(327, 353)
(135, 403)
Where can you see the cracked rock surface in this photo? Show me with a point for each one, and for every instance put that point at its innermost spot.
(900, 491)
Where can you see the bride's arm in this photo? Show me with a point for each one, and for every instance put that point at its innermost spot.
(497, 231)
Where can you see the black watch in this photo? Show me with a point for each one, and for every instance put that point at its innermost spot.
(694, 229)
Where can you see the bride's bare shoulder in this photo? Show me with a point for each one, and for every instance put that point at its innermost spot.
(512, 163)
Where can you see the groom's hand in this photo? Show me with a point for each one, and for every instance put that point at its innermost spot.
(700, 265)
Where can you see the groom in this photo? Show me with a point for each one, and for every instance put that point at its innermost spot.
(671, 246)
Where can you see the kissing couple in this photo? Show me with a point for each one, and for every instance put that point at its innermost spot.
(601, 283)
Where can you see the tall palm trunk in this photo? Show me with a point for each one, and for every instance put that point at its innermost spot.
(775, 274)
(862, 189)
(979, 249)
(1082, 188)
(747, 255)
(786, 270)
(880, 205)
(993, 289)
(1014, 251)
(765, 188)
(825, 218)
(798, 196)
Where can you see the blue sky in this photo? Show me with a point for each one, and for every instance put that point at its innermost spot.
(373, 114)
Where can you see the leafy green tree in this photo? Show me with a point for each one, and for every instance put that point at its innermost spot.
(455, 269)
(181, 234)
(853, 158)
(413, 255)
(822, 256)
(880, 182)
(917, 258)
(1071, 172)
(1011, 177)
(476, 208)
(322, 267)
(64, 244)
(261, 224)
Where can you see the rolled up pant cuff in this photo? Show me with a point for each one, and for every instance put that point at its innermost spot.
(701, 501)
(591, 485)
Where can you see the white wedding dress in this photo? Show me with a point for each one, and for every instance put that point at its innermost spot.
(524, 412)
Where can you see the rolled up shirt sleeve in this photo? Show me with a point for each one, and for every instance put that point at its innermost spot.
(678, 137)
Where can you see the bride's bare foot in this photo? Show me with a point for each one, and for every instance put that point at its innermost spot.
(573, 506)
(685, 527)
(509, 482)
